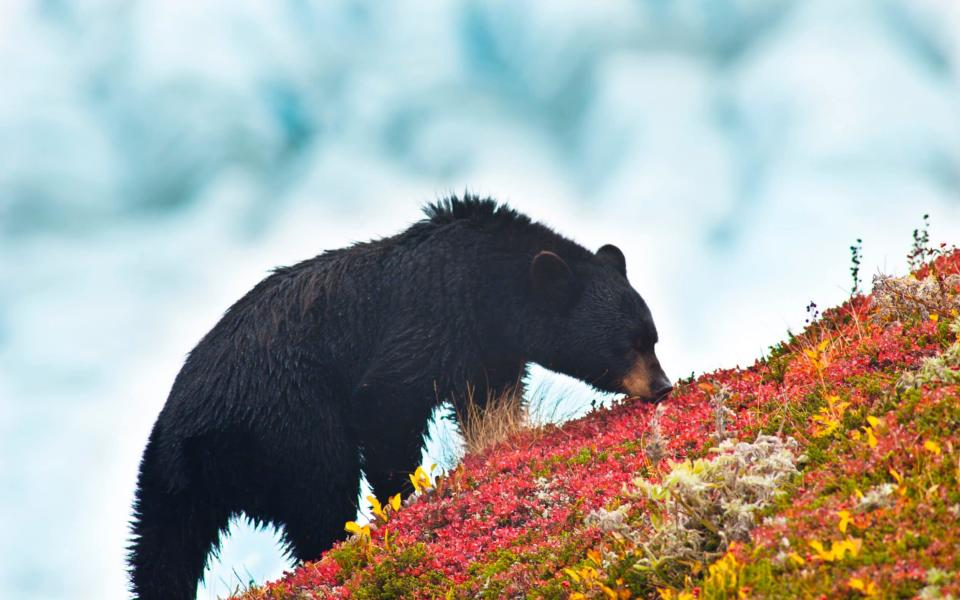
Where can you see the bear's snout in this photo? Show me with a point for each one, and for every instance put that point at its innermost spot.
(646, 379)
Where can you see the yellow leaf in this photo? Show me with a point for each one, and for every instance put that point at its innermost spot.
(395, 501)
(849, 546)
(361, 531)
(588, 572)
(873, 421)
(822, 553)
(608, 592)
(420, 480)
(796, 558)
(865, 587)
(376, 508)
(844, 520)
(896, 476)
(594, 555)
(573, 575)
(871, 439)
(352, 527)
(822, 345)
(828, 425)
(934, 317)
(932, 446)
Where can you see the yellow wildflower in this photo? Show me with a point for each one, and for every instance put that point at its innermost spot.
(932, 447)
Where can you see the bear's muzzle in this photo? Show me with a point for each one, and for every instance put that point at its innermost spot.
(646, 379)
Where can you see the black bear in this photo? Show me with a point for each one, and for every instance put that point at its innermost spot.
(334, 365)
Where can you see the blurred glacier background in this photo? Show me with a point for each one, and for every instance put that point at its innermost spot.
(157, 157)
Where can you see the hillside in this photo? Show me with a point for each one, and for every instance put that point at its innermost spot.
(829, 468)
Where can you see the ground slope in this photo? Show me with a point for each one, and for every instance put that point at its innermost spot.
(828, 469)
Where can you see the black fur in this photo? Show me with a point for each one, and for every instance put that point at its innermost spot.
(333, 366)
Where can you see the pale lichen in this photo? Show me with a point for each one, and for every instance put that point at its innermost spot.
(721, 412)
(701, 506)
(656, 447)
(943, 368)
(903, 298)
(880, 496)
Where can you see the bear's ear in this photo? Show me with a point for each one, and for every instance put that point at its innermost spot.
(612, 255)
(552, 280)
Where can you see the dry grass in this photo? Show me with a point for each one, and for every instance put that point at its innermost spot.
(478, 429)
(500, 418)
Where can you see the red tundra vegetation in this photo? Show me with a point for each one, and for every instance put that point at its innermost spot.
(830, 468)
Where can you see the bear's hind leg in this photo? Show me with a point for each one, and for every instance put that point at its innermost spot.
(174, 531)
(314, 510)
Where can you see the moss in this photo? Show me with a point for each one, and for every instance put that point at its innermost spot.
(581, 458)
(350, 558)
(399, 575)
(631, 447)
(777, 363)
(874, 386)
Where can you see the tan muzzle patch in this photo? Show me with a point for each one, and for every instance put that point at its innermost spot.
(644, 374)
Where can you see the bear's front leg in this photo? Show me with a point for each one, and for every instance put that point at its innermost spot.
(391, 427)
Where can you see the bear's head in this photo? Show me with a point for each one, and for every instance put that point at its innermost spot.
(591, 324)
